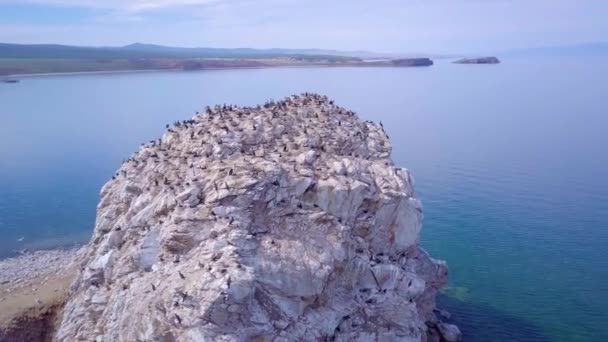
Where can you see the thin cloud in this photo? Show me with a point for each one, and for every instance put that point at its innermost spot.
(133, 5)
(444, 26)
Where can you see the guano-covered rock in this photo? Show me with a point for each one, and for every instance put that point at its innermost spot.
(281, 222)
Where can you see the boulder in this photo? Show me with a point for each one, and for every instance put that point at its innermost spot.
(449, 332)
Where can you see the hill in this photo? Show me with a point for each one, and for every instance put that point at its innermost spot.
(139, 50)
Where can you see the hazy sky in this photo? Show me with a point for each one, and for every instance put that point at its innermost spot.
(435, 26)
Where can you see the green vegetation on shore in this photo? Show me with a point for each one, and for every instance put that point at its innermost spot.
(17, 59)
(13, 66)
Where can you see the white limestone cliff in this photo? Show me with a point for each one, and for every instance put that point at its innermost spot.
(283, 222)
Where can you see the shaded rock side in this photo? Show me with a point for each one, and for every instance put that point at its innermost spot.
(281, 222)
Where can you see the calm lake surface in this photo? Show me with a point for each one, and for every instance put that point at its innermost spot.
(510, 161)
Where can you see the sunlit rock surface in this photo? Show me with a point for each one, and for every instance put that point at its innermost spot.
(283, 222)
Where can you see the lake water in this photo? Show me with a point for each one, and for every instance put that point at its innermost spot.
(510, 161)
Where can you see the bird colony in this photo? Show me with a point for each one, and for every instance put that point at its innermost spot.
(282, 222)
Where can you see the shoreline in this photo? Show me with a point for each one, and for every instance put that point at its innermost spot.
(135, 71)
(33, 289)
(62, 242)
(20, 271)
(76, 73)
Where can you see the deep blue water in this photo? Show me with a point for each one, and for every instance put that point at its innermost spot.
(510, 161)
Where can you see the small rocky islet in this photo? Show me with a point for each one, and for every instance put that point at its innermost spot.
(287, 221)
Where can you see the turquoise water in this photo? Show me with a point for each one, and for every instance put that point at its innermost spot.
(509, 160)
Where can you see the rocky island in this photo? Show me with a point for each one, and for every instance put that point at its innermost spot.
(286, 221)
(480, 60)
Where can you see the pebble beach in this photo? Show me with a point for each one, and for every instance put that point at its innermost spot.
(34, 284)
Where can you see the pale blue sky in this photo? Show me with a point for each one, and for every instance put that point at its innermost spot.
(434, 26)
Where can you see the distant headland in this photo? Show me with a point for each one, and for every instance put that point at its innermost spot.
(20, 59)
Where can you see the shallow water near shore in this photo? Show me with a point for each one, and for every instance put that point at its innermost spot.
(508, 159)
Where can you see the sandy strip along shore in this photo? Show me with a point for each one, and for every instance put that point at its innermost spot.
(33, 288)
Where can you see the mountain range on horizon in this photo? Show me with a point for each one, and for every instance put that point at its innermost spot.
(142, 51)
(11, 53)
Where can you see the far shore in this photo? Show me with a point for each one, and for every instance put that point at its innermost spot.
(110, 72)
(366, 64)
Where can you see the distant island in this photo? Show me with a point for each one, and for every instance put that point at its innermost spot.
(20, 59)
(479, 60)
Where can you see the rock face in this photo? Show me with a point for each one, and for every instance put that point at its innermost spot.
(283, 222)
(480, 60)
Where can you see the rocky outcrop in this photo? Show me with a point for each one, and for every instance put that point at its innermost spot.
(412, 62)
(480, 60)
(283, 222)
(449, 332)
